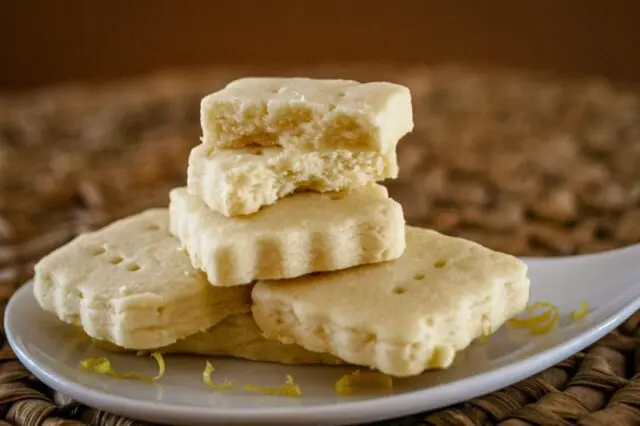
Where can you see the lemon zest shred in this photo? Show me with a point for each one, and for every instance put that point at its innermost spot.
(343, 385)
(99, 365)
(540, 304)
(290, 388)
(538, 323)
(161, 366)
(531, 321)
(545, 328)
(265, 390)
(103, 366)
(579, 314)
(206, 378)
(372, 380)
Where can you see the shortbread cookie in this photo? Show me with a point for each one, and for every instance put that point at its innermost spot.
(238, 336)
(307, 114)
(400, 317)
(240, 182)
(302, 233)
(131, 284)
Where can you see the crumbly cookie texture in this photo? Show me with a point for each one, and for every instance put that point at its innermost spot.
(238, 336)
(131, 284)
(400, 317)
(303, 233)
(240, 182)
(307, 114)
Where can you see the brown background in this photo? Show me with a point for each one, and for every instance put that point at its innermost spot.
(43, 41)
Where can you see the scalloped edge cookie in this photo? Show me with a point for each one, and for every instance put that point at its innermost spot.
(400, 317)
(131, 284)
(302, 233)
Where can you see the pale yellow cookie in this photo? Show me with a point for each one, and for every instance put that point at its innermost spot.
(401, 317)
(131, 284)
(307, 114)
(238, 336)
(240, 182)
(303, 233)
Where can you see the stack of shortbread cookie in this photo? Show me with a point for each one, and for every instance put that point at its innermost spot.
(284, 247)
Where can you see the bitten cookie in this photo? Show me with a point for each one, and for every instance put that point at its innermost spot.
(307, 114)
(240, 182)
(302, 233)
(401, 317)
(131, 284)
(238, 336)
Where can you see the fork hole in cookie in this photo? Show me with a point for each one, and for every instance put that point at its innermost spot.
(439, 263)
(133, 267)
(96, 251)
(255, 151)
(153, 227)
(79, 294)
(320, 332)
(47, 280)
(418, 277)
(399, 290)
(115, 260)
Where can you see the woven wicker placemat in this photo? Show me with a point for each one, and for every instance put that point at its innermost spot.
(527, 164)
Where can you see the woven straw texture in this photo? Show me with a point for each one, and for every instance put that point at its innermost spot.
(527, 164)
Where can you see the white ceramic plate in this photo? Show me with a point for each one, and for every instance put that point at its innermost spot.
(609, 282)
